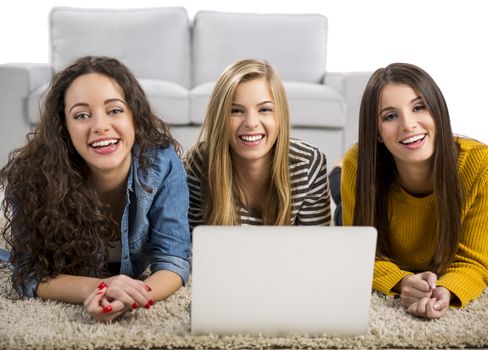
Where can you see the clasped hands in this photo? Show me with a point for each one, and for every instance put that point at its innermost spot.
(116, 295)
(420, 296)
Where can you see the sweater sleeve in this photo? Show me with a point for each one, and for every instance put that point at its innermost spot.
(348, 186)
(467, 276)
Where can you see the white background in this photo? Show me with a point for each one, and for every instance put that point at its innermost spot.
(448, 38)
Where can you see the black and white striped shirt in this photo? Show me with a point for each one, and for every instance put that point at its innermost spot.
(309, 188)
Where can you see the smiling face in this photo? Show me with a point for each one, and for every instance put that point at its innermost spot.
(406, 126)
(100, 123)
(252, 128)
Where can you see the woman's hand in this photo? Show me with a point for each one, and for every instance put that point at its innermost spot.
(93, 305)
(414, 288)
(131, 292)
(117, 295)
(434, 307)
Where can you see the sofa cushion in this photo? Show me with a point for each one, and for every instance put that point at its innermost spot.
(154, 43)
(34, 104)
(295, 44)
(311, 105)
(315, 105)
(169, 101)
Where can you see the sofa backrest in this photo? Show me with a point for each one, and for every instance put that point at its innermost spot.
(154, 43)
(295, 44)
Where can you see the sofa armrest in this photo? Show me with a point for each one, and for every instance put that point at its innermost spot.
(17, 80)
(351, 85)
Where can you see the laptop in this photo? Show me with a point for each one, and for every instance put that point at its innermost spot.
(282, 280)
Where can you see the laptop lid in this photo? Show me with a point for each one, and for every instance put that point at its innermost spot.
(280, 280)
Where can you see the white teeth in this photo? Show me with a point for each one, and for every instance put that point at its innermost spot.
(251, 138)
(413, 139)
(104, 143)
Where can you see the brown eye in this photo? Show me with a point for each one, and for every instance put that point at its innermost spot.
(81, 116)
(389, 116)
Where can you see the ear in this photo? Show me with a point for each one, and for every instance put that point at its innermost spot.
(380, 139)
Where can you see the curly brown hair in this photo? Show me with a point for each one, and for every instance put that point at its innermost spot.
(56, 222)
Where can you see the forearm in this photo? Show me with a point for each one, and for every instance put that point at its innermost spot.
(163, 283)
(387, 277)
(68, 288)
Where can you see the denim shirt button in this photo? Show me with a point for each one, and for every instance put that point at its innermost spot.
(126, 257)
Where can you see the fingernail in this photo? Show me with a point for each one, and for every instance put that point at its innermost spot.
(135, 305)
(107, 309)
(147, 306)
(147, 288)
(151, 302)
(102, 285)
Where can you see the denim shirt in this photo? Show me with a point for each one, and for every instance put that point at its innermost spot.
(154, 226)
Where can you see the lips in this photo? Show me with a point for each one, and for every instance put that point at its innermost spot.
(251, 138)
(412, 139)
(104, 143)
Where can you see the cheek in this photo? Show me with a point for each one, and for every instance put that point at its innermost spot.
(233, 125)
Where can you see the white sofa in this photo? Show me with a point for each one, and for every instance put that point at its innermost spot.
(177, 61)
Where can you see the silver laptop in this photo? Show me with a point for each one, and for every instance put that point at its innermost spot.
(281, 280)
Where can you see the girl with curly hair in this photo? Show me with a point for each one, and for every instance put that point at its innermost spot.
(96, 196)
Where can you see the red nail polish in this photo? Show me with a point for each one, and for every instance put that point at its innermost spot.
(102, 285)
(147, 306)
(107, 309)
(135, 306)
(151, 302)
(147, 288)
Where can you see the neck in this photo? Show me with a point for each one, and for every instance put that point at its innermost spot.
(416, 179)
(109, 182)
(254, 178)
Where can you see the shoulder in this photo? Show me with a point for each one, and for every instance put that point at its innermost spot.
(351, 157)
(471, 149)
(302, 151)
(163, 164)
(473, 155)
(194, 160)
(349, 164)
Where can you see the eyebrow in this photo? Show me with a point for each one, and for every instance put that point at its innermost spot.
(411, 102)
(259, 104)
(84, 104)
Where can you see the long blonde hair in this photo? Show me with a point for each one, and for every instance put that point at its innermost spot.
(220, 187)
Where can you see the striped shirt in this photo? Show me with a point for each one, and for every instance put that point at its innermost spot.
(309, 188)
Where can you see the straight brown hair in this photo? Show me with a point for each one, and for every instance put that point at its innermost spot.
(376, 168)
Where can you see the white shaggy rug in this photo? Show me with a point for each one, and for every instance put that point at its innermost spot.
(38, 324)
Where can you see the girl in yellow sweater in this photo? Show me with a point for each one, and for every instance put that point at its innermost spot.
(424, 189)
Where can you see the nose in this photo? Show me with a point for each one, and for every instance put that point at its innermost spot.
(251, 120)
(101, 122)
(409, 122)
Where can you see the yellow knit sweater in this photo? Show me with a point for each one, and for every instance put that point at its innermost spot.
(412, 226)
